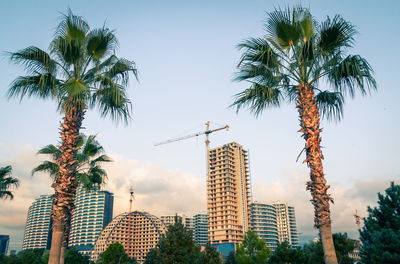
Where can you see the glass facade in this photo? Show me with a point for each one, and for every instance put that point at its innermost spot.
(93, 212)
(38, 224)
(263, 222)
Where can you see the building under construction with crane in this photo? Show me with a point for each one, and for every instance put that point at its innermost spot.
(228, 195)
(228, 191)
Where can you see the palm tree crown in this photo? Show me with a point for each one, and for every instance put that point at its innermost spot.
(7, 182)
(80, 71)
(90, 157)
(299, 50)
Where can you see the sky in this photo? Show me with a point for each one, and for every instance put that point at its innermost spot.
(186, 55)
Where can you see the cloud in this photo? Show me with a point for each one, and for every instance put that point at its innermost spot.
(348, 197)
(157, 191)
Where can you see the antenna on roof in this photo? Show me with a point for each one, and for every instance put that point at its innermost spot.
(131, 198)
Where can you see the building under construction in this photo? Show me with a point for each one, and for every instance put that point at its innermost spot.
(137, 231)
(228, 194)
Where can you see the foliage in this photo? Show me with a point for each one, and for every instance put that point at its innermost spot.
(253, 250)
(7, 182)
(90, 157)
(177, 246)
(285, 254)
(73, 256)
(230, 259)
(114, 254)
(380, 235)
(209, 256)
(343, 247)
(31, 256)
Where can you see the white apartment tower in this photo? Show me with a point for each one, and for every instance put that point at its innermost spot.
(37, 229)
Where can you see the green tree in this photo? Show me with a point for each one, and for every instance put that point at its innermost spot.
(176, 246)
(286, 254)
(73, 256)
(7, 182)
(380, 235)
(209, 256)
(289, 64)
(80, 72)
(230, 259)
(343, 246)
(114, 254)
(253, 250)
(31, 256)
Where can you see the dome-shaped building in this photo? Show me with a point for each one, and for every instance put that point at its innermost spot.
(137, 231)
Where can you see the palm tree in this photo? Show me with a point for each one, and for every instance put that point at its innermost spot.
(89, 172)
(7, 182)
(289, 64)
(80, 72)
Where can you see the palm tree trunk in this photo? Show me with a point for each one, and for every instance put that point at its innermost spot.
(66, 184)
(310, 128)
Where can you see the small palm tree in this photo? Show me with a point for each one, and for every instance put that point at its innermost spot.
(7, 182)
(289, 64)
(80, 72)
(89, 171)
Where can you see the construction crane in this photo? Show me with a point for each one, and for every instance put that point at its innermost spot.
(207, 133)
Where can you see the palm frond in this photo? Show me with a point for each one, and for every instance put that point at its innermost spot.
(48, 167)
(283, 28)
(257, 98)
(119, 72)
(258, 50)
(102, 158)
(7, 182)
(100, 42)
(335, 34)
(72, 27)
(112, 101)
(42, 86)
(51, 150)
(330, 105)
(34, 60)
(351, 74)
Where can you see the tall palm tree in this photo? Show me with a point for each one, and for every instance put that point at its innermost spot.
(297, 55)
(89, 171)
(80, 72)
(7, 182)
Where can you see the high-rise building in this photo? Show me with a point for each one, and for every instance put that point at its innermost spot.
(200, 233)
(137, 231)
(4, 241)
(171, 219)
(228, 194)
(275, 223)
(286, 223)
(93, 211)
(37, 229)
(264, 222)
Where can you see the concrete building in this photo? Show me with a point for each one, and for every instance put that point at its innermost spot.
(185, 220)
(4, 241)
(200, 233)
(263, 221)
(228, 192)
(93, 211)
(37, 229)
(286, 223)
(137, 231)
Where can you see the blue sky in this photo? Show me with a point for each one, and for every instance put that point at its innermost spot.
(186, 56)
